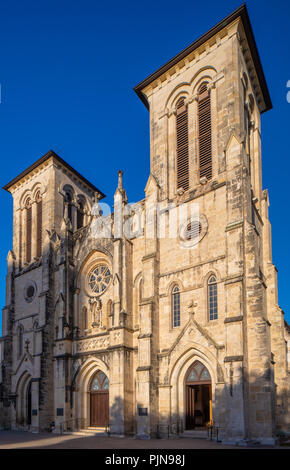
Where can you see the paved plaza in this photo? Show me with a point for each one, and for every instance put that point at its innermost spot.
(27, 440)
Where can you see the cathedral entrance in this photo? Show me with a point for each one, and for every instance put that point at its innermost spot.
(198, 396)
(99, 400)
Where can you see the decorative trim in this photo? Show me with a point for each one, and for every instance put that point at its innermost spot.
(200, 329)
(87, 337)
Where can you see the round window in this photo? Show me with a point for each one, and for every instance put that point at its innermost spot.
(29, 292)
(99, 279)
(192, 230)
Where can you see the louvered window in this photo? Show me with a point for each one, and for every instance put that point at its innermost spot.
(28, 230)
(182, 145)
(80, 215)
(39, 225)
(204, 132)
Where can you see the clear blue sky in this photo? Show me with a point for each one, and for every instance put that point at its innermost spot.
(67, 72)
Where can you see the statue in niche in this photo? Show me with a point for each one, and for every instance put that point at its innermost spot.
(96, 312)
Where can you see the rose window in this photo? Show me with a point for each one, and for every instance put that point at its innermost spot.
(99, 279)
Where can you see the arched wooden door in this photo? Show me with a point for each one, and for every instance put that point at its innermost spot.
(198, 396)
(99, 400)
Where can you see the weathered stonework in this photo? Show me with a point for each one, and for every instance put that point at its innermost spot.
(126, 331)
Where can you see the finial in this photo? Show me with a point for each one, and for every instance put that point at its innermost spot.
(120, 181)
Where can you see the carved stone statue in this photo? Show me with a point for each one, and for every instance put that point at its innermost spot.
(96, 311)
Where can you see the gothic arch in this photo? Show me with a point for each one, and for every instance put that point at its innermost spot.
(175, 282)
(82, 379)
(89, 259)
(178, 373)
(211, 272)
(21, 398)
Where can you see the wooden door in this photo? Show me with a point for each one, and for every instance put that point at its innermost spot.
(189, 407)
(198, 396)
(99, 400)
(99, 408)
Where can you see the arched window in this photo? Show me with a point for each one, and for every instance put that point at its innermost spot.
(212, 298)
(198, 373)
(139, 291)
(204, 132)
(39, 224)
(80, 215)
(35, 327)
(176, 306)
(28, 210)
(100, 382)
(182, 145)
(20, 341)
(68, 201)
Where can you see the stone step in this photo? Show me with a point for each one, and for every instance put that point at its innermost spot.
(88, 432)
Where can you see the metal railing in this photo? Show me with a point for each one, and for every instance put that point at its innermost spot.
(73, 424)
(212, 432)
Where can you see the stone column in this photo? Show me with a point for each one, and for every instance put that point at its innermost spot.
(147, 370)
(35, 405)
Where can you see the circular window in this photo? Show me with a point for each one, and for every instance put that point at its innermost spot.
(29, 292)
(99, 278)
(193, 231)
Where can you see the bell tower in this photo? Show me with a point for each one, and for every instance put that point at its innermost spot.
(205, 109)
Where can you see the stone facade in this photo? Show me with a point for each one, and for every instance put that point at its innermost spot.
(58, 331)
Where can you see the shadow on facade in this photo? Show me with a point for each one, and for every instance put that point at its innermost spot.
(251, 408)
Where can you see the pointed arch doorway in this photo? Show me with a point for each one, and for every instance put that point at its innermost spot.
(99, 400)
(198, 396)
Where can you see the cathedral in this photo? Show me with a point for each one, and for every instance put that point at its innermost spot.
(161, 317)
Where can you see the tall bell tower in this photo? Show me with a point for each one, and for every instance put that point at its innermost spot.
(205, 109)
